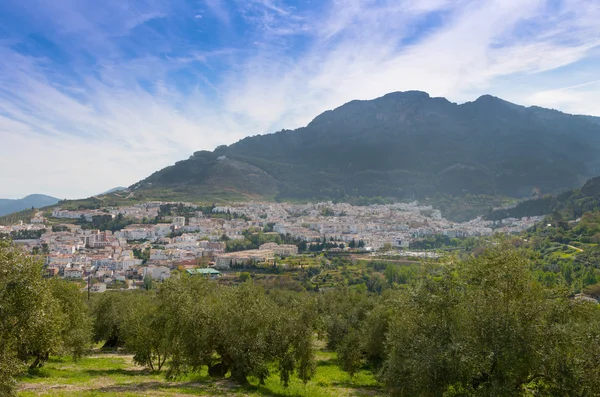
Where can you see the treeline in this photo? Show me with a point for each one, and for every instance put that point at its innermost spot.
(481, 327)
(105, 222)
(484, 326)
(178, 209)
(190, 322)
(24, 234)
(254, 238)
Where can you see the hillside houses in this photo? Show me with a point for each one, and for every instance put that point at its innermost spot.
(155, 247)
(160, 273)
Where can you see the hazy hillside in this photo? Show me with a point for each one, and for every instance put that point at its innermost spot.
(572, 204)
(403, 145)
(8, 206)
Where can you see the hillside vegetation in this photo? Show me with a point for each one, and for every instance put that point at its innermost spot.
(481, 326)
(404, 145)
(571, 204)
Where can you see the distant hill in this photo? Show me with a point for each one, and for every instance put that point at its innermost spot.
(404, 145)
(8, 206)
(571, 204)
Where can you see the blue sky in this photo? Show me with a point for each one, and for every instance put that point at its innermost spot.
(98, 94)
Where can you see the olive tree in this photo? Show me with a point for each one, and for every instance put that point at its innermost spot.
(37, 317)
(75, 320)
(241, 331)
(238, 330)
(294, 326)
(487, 327)
(143, 331)
(109, 313)
(186, 304)
(21, 299)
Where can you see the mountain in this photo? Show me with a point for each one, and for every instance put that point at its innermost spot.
(8, 206)
(404, 145)
(571, 204)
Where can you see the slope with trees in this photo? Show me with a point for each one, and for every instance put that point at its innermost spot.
(484, 325)
(571, 204)
(401, 146)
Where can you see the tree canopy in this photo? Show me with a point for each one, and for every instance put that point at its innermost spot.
(485, 325)
(38, 317)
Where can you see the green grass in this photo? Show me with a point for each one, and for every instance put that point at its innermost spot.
(562, 255)
(116, 375)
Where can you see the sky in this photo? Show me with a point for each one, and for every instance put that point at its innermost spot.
(99, 94)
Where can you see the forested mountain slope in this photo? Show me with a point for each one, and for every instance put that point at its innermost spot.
(403, 145)
(571, 204)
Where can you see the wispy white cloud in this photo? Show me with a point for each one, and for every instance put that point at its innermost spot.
(475, 45)
(127, 105)
(578, 99)
(219, 9)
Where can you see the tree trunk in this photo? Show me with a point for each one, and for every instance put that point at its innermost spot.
(37, 362)
(112, 342)
(239, 376)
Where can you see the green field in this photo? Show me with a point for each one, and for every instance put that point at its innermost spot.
(106, 374)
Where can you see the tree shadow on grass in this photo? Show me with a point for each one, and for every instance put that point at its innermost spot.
(223, 388)
(121, 372)
(327, 363)
(58, 360)
(266, 391)
(43, 373)
(36, 373)
(356, 390)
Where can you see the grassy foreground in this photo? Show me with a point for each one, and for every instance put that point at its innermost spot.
(117, 375)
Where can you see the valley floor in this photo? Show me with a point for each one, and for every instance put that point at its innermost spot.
(117, 375)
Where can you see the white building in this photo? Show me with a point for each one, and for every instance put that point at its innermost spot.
(178, 221)
(281, 250)
(243, 258)
(73, 274)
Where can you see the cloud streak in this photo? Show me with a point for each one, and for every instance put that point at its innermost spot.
(123, 92)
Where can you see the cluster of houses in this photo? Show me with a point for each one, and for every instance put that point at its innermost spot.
(195, 241)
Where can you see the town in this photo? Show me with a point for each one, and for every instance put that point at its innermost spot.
(124, 247)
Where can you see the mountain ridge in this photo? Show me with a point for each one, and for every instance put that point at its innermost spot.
(8, 206)
(402, 145)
